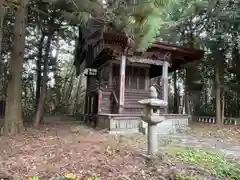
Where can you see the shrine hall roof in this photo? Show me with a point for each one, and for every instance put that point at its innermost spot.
(102, 44)
(156, 46)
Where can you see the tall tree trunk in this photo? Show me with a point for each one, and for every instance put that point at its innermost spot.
(218, 96)
(57, 77)
(205, 99)
(186, 96)
(40, 109)
(66, 79)
(13, 122)
(39, 69)
(31, 87)
(77, 95)
(176, 105)
(65, 86)
(70, 87)
(223, 106)
(2, 14)
(69, 91)
(2, 78)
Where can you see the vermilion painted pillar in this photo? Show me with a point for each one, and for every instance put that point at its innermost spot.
(99, 101)
(110, 67)
(165, 82)
(122, 84)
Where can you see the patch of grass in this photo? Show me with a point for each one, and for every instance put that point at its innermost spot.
(217, 164)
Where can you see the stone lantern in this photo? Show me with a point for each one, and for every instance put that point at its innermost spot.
(152, 117)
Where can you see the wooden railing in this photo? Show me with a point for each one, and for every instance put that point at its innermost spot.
(115, 97)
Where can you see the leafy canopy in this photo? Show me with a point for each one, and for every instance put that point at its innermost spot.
(146, 20)
(142, 20)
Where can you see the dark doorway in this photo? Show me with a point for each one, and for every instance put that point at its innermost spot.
(2, 109)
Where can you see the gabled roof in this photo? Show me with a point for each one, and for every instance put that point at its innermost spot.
(111, 40)
(178, 50)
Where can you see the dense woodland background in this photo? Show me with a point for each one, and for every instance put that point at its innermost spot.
(38, 40)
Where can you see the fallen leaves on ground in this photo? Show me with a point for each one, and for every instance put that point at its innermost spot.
(59, 148)
(228, 133)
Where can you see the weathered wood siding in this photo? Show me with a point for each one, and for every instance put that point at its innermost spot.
(136, 88)
(106, 102)
(136, 77)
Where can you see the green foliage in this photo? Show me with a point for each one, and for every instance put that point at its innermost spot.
(146, 20)
(217, 164)
(143, 20)
(77, 12)
(145, 33)
(76, 18)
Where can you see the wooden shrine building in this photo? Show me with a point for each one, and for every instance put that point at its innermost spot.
(118, 77)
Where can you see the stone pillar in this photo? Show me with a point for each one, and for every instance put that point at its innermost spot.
(122, 84)
(152, 128)
(152, 117)
(165, 82)
(152, 139)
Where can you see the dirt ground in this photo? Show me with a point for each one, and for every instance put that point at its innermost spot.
(59, 148)
(227, 133)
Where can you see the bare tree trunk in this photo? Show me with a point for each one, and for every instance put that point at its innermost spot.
(218, 96)
(187, 97)
(70, 87)
(31, 87)
(64, 86)
(2, 14)
(77, 94)
(13, 116)
(40, 109)
(176, 105)
(57, 78)
(223, 106)
(205, 99)
(2, 78)
(39, 70)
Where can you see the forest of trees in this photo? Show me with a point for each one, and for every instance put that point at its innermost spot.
(37, 41)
